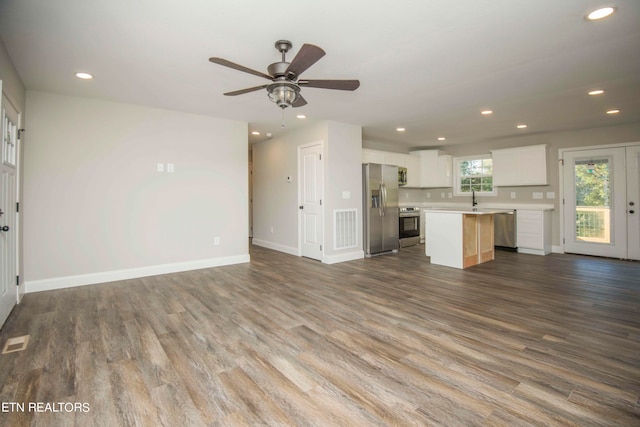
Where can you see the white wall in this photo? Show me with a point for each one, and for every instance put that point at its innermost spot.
(95, 207)
(275, 201)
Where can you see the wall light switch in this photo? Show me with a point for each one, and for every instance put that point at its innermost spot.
(216, 241)
(346, 194)
(428, 195)
(513, 194)
(551, 195)
(537, 195)
(160, 167)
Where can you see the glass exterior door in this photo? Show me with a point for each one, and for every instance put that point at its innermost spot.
(595, 202)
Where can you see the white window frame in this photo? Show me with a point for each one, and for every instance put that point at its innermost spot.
(457, 177)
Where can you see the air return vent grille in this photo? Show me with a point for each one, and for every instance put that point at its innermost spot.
(345, 228)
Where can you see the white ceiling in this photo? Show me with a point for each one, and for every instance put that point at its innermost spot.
(427, 65)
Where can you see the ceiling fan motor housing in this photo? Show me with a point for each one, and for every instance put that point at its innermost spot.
(278, 69)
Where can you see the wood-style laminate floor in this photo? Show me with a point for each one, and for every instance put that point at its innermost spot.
(391, 340)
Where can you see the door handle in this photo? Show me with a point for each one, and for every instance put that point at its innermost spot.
(632, 211)
(4, 228)
(300, 207)
(631, 203)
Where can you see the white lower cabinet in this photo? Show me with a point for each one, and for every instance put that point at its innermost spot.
(534, 231)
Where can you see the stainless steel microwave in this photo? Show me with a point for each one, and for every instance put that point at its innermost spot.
(402, 176)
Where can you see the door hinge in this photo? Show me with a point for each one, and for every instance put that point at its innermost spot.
(17, 206)
(320, 157)
(563, 242)
(17, 280)
(562, 162)
(320, 202)
(320, 247)
(20, 131)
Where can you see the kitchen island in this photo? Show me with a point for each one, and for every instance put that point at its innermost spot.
(458, 237)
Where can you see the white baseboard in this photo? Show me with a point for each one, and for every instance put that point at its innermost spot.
(131, 273)
(349, 256)
(532, 251)
(557, 249)
(276, 247)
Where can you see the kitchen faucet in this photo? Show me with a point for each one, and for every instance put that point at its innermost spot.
(474, 202)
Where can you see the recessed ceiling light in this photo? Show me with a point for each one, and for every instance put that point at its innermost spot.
(613, 111)
(400, 129)
(301, 116)
(486, 112)
(255, 132)
(601, 13)
(596, 92)
(84, 76)
(442, 138)
(522, 126)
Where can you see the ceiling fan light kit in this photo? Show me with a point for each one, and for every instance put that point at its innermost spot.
(284, 90)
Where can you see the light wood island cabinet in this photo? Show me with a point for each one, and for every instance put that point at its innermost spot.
(460, 238)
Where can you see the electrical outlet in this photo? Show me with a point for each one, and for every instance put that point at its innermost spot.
(346, 194)
(216, 241)
(442, 195)
(551, 195)
(170, 167)
(537, 195)
(160, 167)
(428, 195)
(272, 228)
(513, 194)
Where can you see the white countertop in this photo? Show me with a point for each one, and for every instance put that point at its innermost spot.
(467, 211)
(426, 206)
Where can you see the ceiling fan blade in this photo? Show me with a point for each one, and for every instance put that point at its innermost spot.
(247, 90)
(307, 56)
(225, 63)
(331, 84)
(299, 102)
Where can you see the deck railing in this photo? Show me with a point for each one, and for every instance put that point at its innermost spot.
(593, 224)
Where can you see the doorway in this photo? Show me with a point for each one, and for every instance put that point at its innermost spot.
(8, 209)
(601, 193)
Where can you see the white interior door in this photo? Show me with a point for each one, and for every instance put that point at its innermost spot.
(633, 201)
(595, 197)
(310, 200)
(8, 207)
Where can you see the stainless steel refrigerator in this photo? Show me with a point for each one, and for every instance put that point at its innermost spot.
(380, 191)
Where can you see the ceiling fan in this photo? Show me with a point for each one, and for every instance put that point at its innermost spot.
(285, 85)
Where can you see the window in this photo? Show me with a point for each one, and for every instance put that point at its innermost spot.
(473, 173)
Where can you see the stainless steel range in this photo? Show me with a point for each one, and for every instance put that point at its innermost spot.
(409, 226)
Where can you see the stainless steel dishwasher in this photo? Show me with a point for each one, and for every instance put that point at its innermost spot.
(504, 230)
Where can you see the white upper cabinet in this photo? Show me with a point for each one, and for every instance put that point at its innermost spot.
(436, 168)
(383, 157)
(425, 168)
(373, 156)
(520, 166)
(413, 171)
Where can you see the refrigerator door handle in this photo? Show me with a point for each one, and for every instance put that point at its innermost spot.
(384, 199)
